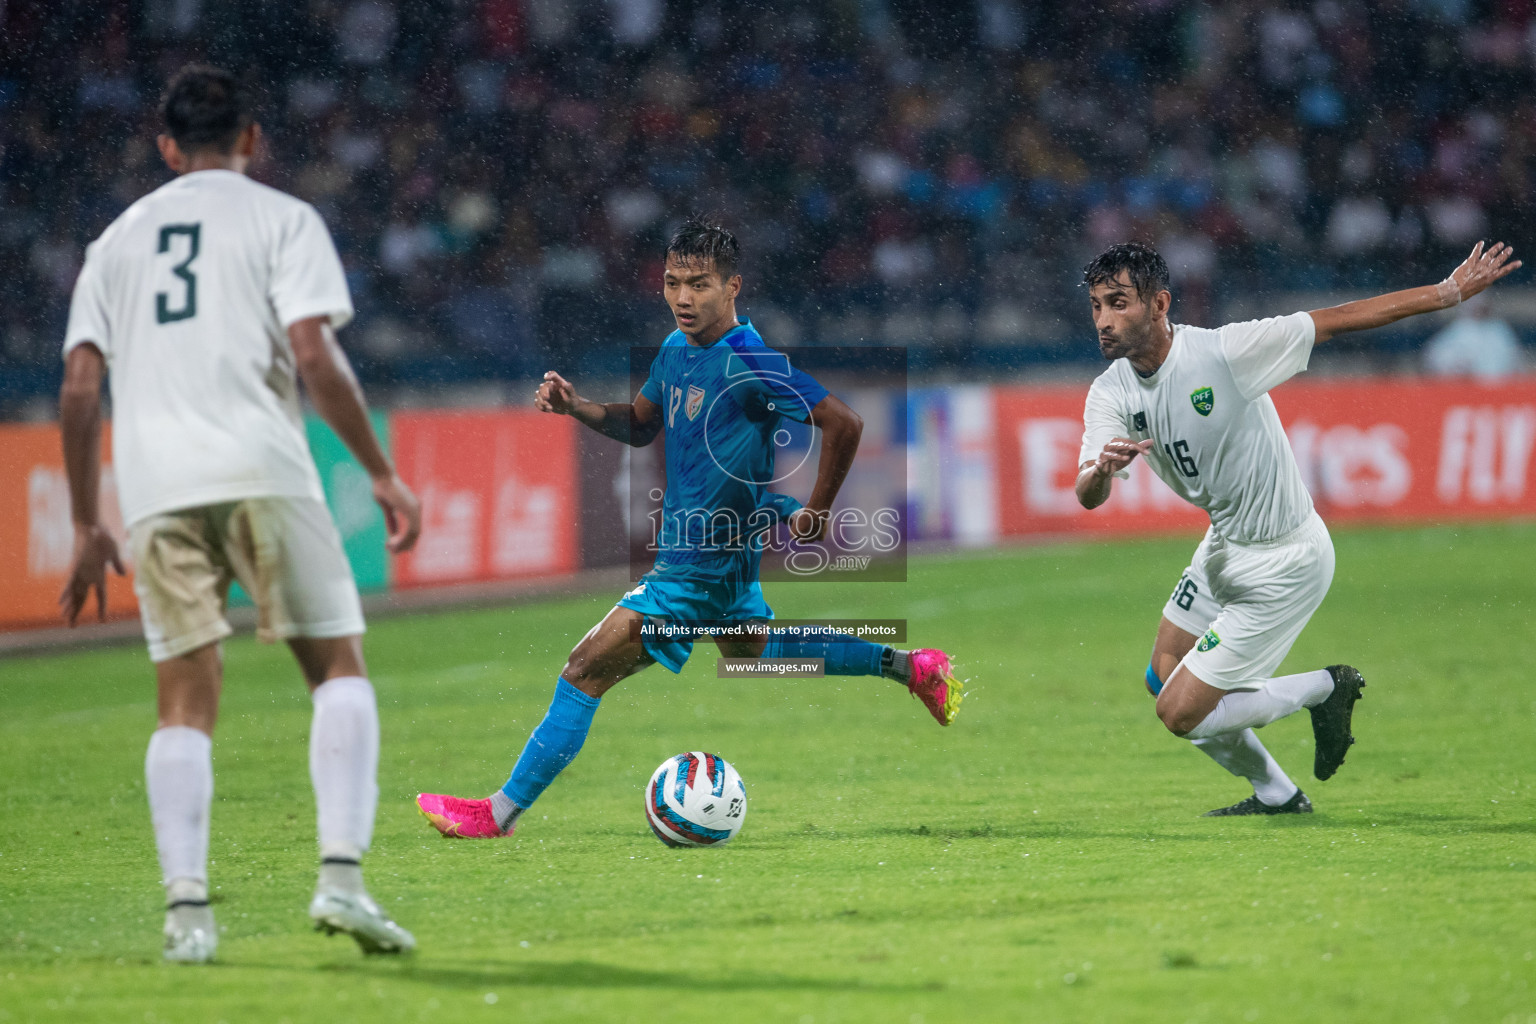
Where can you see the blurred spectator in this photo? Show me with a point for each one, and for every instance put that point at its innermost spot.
(886, 162)
(1475, 344)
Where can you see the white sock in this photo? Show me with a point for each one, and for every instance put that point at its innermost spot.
(341, 876)
(504, 810)
(1243, 755)
(343, 765)
(1272, 701)
(178, 772)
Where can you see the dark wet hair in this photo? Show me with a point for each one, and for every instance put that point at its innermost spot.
(205, 108)
(1146, 269)
(701, 240)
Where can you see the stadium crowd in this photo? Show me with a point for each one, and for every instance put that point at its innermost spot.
(499, 175)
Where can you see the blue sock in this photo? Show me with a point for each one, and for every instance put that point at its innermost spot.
(554, 744)
(845, 655)
(1154, 684)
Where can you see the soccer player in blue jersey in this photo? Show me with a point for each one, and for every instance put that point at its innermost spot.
(719, 394)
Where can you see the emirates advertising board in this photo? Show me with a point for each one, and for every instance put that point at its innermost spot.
(504, 490)
(1390, 451)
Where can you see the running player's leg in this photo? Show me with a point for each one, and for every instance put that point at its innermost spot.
(343, 768)
(609, 652)
(1240, 753)
(180, 584)
(926, 672)
(1223, 685)
(287, 554)
(178, 774)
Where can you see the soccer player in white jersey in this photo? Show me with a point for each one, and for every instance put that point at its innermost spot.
(1195, 404)
(204, 300)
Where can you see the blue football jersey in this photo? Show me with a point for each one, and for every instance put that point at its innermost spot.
(720, 408)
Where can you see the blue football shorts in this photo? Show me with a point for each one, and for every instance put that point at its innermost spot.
(692, 602)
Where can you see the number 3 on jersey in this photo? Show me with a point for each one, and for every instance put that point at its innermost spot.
(187, 306)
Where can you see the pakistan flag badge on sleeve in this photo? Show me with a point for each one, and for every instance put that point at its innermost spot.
(1210, 639)
(1204, 400)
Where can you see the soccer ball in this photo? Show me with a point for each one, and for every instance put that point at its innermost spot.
(695, 799)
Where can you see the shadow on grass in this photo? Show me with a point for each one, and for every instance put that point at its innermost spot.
(1416, 823)
(1198, 829)
(588, 975)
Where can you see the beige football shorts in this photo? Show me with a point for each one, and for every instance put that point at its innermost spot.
(285, 552)
(1249, 602)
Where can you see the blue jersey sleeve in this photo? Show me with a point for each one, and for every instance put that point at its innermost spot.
(652, 387)
(791, 391)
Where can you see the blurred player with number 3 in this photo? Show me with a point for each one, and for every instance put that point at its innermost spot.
(205, 300)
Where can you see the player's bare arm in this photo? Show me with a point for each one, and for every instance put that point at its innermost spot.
(634, 423)
(841, 429)
(80, 422)
(333, 388)
(1095, 478)
(1479, 270)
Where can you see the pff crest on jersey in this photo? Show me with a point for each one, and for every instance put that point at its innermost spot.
(1203, 399)
(695, 401)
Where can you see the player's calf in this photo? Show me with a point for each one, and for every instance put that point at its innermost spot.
(926, 672)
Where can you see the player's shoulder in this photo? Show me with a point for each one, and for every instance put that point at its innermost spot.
(674, 339)
(744, 337)
(1298, 322)
(1191, 336)
(141, 211)
(203, 190)
(1117, 376)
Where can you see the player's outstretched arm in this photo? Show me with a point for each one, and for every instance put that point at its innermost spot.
(1095, 478)
(333, 388)
(841, 429)
(1476, 272)
(635, 423)
(80, 424)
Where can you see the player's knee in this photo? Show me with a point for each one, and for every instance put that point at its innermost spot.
(1178, 720)
(575, 671)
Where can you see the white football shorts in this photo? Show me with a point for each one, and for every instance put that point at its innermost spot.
(285, 552)
(1249, 602)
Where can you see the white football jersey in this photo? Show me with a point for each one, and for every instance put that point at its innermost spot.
(1218, 440)
(189, 295)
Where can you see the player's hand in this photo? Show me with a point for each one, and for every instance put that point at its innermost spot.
(808, 525)
(1118, 454)
(402, 512)
(1481, 269)
(555, 395)
(94, 551)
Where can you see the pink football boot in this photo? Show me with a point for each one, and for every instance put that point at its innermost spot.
(457, 818)
(934, 684)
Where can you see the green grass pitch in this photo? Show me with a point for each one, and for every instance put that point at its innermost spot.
(1041, 860)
